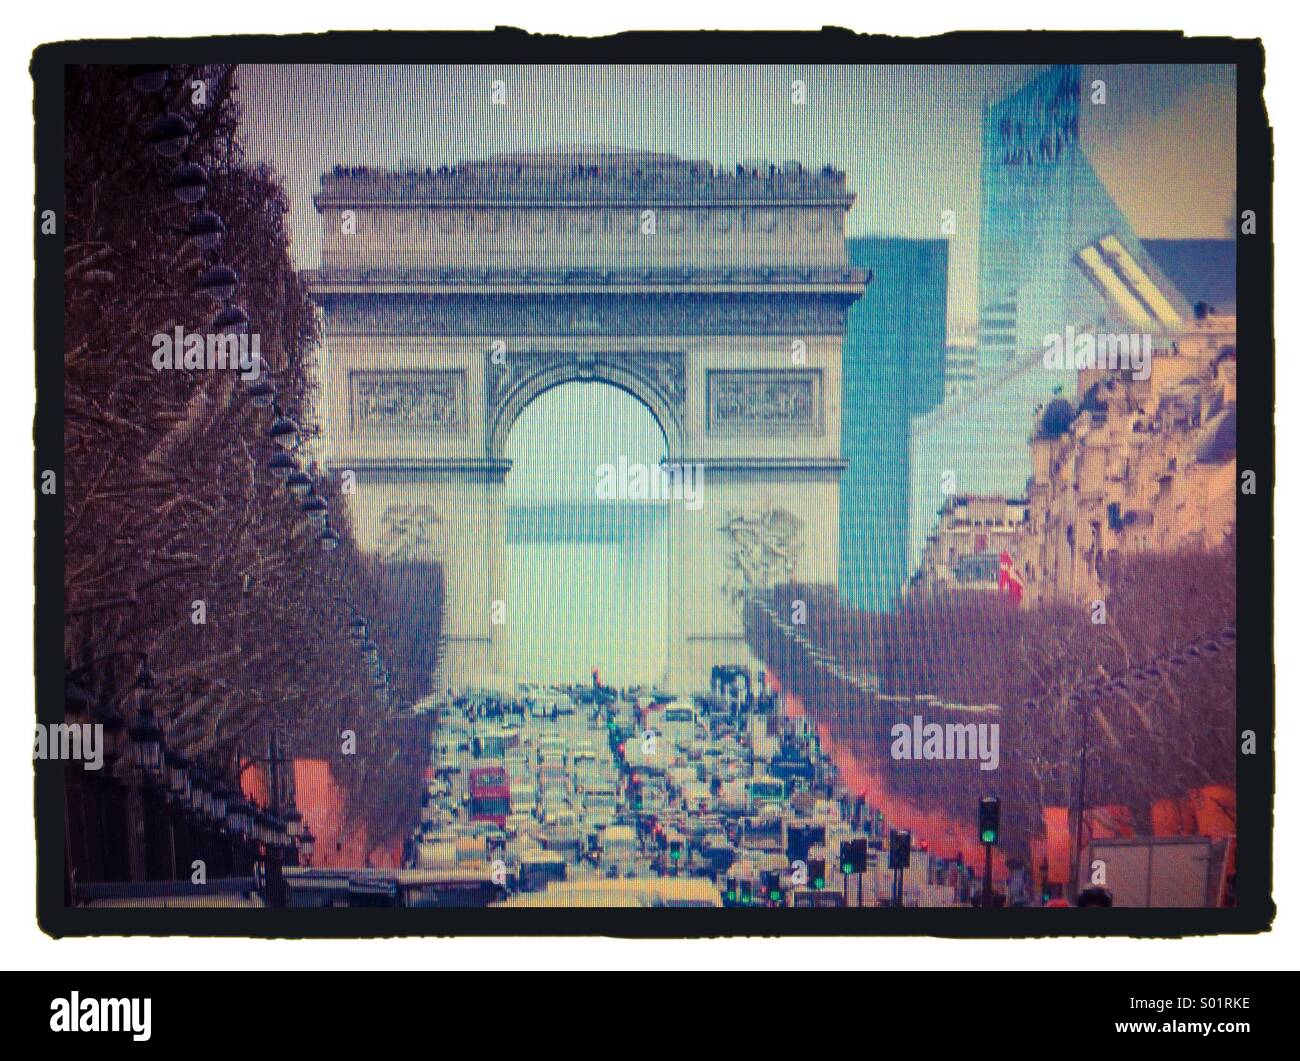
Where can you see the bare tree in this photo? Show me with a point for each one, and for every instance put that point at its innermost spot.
(179, 542)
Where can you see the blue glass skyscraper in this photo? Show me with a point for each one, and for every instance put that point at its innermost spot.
(894, 349)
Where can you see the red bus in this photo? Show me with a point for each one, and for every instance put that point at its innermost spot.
(489, 795)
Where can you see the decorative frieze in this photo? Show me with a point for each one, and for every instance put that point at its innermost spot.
(585, 315)
(408, 401)
(761, 402)
(410, 533)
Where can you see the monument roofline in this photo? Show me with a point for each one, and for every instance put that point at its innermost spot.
(586, 177)
(638, 280)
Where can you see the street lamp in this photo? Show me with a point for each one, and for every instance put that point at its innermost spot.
(308, 844)
(206, 229)
(261, 393)
(146, 743)
(230, 320)
(106, 714)
(239, 818)
(284, 432)
(219, 282)
(279, 831)
(189, 182)
(168, 135)
(178, 777)
(219, 802)
(299, 483)
(329, 539)
(281, 464)
(316, 509)
(147, 78)
(200, 793)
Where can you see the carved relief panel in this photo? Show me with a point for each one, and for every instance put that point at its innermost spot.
(764, 402)
(405, 402)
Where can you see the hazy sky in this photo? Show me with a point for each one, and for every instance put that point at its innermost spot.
(908, 137)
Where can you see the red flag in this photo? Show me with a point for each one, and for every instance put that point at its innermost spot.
(1009, 580)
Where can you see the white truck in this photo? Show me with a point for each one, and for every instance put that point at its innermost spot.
(1157, 871)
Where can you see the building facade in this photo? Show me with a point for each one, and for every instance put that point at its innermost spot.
(1134, 466)
(973, 532)
(1125, 466)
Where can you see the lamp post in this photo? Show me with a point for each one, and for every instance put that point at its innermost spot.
(274, 831)
(1084, 705)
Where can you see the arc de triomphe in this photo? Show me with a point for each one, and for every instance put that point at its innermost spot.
(454, 297)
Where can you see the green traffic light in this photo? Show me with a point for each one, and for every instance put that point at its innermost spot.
(988, 836)
(819, 884)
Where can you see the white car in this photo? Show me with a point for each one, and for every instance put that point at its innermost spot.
(619, 850)
(562, 830)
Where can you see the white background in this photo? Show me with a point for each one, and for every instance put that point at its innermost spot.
(28, 25)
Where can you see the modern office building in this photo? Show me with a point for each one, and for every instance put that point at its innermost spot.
(894, 353)
(961, 373)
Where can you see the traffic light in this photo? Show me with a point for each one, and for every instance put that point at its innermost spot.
(817, 873)
(853, 856)
(990, 807)
(900, 849)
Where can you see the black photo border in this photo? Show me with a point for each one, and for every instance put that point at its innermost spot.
(505, 46)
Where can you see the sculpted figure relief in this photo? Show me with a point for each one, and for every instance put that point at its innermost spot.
(410, 533)
(763, 550)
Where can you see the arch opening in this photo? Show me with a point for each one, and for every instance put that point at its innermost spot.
(587, 561)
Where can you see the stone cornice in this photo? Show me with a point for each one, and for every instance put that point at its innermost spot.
(651, 280)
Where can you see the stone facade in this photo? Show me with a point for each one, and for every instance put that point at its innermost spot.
(1144, 466)
(1129, 466)
(453, 298)
(972, 533)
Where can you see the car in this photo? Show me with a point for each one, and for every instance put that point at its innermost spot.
(619, 850)
(600, 803)
(553, 748)
(562, 831)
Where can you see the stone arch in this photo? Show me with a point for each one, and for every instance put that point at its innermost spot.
(466, 293)
(574, 370)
